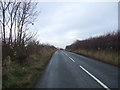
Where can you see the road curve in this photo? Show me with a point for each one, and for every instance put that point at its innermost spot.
(70, 70)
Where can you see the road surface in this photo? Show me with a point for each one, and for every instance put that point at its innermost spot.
(70, 70)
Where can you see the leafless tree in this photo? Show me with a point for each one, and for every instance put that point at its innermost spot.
(3, 9)
(26, 16)
(16, 16)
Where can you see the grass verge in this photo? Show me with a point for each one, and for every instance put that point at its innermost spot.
(16, 75)
(104, 56)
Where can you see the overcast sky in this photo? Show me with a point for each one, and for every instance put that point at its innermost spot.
(60, 24)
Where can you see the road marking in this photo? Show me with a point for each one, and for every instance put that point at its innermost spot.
(102, 84)
(69, 57)
(66, 54)
(72, 59)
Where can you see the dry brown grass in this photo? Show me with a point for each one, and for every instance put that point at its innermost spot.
(104, 56)
(25, 75)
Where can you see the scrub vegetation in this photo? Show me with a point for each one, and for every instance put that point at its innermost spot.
(104, 48)
(24, 70)
(23, 56)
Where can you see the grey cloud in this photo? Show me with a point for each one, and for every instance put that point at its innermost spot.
(62, 23)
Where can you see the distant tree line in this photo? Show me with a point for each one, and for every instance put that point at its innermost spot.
(109, 41)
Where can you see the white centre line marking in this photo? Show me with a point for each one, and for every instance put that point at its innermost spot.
(72, 59)
(102, 84)
(66, 54)
(69, 57)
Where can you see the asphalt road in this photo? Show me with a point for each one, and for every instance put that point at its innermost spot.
(70, 70)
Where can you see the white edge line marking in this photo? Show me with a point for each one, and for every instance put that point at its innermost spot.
(95, 78)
